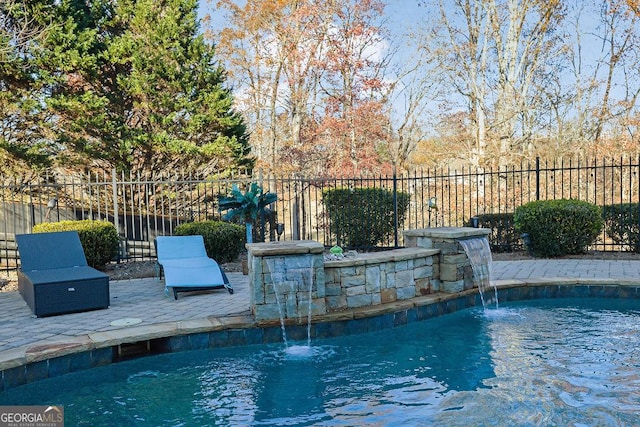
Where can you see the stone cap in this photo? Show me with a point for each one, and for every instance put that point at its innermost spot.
(285, 248)
(448, 232)
(396, 255)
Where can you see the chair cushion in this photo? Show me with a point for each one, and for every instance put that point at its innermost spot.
(61, 275)
(47, 251)
(180, 247)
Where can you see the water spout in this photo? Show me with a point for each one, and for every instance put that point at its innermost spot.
(479, 253)
(291, 279)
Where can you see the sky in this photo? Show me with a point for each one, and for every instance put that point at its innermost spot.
(402, 15)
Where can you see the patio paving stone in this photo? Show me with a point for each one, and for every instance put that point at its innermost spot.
(145, 299)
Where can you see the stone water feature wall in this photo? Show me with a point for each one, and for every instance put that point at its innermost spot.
(281, 276)
(432, 262)
(380, 277)
(456, 274)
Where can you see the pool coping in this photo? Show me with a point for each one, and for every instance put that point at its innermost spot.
(44, 359)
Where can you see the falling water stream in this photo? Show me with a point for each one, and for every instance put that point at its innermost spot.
(290, 277)
(479, 253)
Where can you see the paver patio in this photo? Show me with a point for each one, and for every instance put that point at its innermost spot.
(140, 305)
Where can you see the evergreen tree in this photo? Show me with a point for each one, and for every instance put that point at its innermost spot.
(24, 141)
(133, 85)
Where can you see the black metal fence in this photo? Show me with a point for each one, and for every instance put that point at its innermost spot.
(144, 207)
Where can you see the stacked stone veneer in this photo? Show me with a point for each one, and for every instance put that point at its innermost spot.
(380, 277)
(282, 273)
(283, 276)
(456, 274)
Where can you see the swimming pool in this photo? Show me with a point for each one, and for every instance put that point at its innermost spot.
(541, 362)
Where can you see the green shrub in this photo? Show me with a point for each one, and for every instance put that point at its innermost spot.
(622, 223)
(559, 227)
(222, 240)
(363, 217)
(99, 239)
(503, 237)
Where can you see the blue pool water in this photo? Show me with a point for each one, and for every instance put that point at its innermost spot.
(567, 362)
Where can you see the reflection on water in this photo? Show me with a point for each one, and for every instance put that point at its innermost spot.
(558, 365)
(552, 363)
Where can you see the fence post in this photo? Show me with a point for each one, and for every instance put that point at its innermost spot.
(537, 178)
(32, 212)
(116, 220)
(295, 219)
(395, 208)
(637, 242)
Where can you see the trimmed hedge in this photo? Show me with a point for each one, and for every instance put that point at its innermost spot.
(559, 227)
(622, 222)
(223, 241)
(100, 240)
(363, 217)
(503, 237)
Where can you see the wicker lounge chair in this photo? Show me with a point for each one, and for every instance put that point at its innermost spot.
(54, 277)
(186, 266)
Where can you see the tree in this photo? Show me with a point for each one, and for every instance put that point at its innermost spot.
(272, 48)
(494, 55)
(311, 78)
(24, 123)
(133, 85)
(619, 40)
(524, 46)
(592, 101)
(356, 117)
(414, 89)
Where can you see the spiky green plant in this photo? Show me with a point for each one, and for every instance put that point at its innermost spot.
(245, 207)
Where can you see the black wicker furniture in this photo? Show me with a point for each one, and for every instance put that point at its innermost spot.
(54, 277)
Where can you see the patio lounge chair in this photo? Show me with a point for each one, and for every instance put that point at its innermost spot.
(54, 277)
(186, 266)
